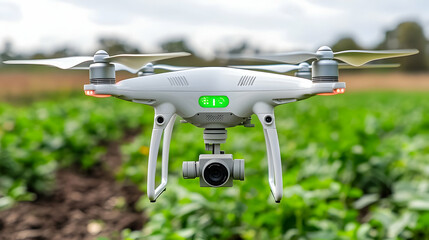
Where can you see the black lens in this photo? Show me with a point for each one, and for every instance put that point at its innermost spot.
(215, 174)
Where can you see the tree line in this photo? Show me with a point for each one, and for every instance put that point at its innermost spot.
(405, 35)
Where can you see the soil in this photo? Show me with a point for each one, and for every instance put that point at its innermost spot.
(386, 81)
(84, 205)
(18, 85)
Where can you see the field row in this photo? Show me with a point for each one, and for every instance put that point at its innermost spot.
(354, 167)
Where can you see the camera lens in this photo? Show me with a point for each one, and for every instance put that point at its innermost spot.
(216, 174)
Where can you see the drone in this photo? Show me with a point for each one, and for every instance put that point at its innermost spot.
(215, 98)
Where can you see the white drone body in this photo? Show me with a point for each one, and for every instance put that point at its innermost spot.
(214, 98)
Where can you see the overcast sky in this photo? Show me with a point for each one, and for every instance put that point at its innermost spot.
(271, 25)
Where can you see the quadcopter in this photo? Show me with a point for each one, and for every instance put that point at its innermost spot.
(215, 98)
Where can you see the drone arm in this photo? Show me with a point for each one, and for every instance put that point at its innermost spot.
(265, 114)
(163, 124)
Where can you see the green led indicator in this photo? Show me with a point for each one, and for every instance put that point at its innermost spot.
(213, 101)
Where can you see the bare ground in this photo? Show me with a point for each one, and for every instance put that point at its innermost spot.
(26, 84)
(84, 205)
(388, 81)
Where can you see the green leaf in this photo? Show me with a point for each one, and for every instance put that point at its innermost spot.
(421, 205)
(366, 200)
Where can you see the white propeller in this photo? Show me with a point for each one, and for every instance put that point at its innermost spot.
(171, 68)
(381, 65)
(279, 68)
(352, 57)
(359, 58)
(63, 63)
(128, 62)
(284, 68)
(149, 67)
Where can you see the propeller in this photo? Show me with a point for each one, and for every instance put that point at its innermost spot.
(149, 68)
(279, 68)
(127, 62)
(102, 67)
(146, 68)
(352, 57)
(170, 67)
(284, 68)
(325, 66)
(369, 66)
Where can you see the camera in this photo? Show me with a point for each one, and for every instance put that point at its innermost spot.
(214, 170)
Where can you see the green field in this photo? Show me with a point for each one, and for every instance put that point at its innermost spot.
(355, 166)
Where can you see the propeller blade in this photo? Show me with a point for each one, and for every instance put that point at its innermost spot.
(63, 63)
(347, 66)
(127, 62)
(293, 57)
(137, 61)
(358, 57)
(283, 68)
(280, 68)
(170, 68)
(121, 67)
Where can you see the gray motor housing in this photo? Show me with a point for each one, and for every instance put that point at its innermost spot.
(102, 73)
(324, 70)
(232, 170)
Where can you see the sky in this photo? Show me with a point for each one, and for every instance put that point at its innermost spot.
(209, 25)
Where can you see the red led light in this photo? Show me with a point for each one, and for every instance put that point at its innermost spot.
(334, 92)
(92, 94)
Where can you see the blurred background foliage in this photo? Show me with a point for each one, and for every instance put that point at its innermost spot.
(405, 35)
(355, 166)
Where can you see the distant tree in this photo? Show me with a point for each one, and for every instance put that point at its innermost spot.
(38, 55)
(243, 48)
(346, 43)
(224, 54)
(116, 46)
(7, 51)
(405, 36)
(59, 53)
(176, 46)
(64, 52)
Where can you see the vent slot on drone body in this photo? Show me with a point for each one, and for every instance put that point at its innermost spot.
(214, 117)
(246, 81)
(178, 81)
